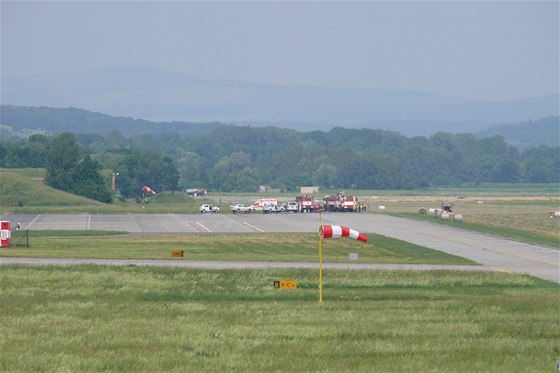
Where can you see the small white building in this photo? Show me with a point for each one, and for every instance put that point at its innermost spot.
(197, 192)
(309, 190)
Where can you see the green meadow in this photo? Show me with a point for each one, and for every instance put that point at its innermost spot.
(264, 247)
(146, 319)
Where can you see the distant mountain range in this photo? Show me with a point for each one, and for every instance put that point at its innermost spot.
(156, 95)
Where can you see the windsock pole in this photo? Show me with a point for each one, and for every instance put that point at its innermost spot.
(320, 259)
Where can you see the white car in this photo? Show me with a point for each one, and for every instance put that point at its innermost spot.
(269, 208)
(241, 207)
(209, 208)
(292, 206)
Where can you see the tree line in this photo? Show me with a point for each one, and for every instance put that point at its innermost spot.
(240, 158)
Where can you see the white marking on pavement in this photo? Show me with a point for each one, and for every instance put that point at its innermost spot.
(33, 221)
(208, 230)
(88, 222)
(252, 226)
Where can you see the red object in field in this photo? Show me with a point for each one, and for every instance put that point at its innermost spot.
(149, 190)
(329, 231)
(5, 233)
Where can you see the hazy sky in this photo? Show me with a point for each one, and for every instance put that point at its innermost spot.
(483, 50)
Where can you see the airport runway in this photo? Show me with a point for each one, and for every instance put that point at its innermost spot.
(489, 251)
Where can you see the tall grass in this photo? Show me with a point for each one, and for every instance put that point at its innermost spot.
(139, 319)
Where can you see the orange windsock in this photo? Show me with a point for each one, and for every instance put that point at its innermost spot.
(329, 231)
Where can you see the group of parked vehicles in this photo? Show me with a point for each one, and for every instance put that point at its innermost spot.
(303, 203)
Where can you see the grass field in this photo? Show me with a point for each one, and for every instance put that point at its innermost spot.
(139, 319)
(147, 319)
(267, 247)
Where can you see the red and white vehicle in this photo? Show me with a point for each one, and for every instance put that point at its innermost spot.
(331, 203)
(342, 202)
(348, 203)
(307, 203)
(259, 203)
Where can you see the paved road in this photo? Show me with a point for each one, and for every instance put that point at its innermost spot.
(490, 251)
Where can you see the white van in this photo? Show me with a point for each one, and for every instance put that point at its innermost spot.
(272, 207)
(258, 205)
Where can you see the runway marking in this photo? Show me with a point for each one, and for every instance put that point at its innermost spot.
(252, 226)
(195, 226)
(88, 222)
(33, 221)
(208, 230)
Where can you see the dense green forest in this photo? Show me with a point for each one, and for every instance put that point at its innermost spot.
(236, 158)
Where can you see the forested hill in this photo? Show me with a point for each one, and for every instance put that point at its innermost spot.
(240, 158)
(528, 134)
(25, 119)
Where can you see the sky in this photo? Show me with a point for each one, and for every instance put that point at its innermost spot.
(494, 51)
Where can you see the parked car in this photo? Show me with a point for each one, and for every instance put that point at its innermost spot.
(269, 208)
(209, 208)
(292, 206)
(241, 208)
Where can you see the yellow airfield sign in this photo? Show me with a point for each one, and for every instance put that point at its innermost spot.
(177, 253)
(284, 284)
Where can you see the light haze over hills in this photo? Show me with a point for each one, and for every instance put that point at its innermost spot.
(157, 95)
(411, 66)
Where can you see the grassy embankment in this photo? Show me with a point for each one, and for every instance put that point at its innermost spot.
(139, 319)
(22, 191)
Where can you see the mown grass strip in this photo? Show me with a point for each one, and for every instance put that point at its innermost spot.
(267, 247)
(142, 319)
